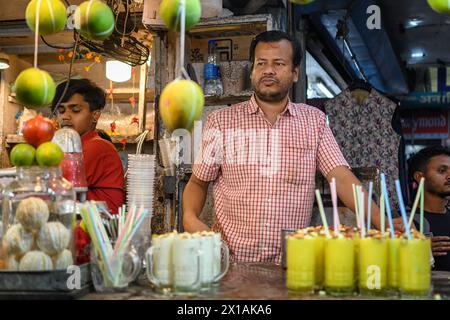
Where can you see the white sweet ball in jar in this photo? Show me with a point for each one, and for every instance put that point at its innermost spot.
(63, 260)
(17, 240)
(53, 238)
(36, 261)
(32, 213)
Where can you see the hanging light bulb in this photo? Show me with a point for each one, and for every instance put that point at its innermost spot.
(118, 71)
(4, 63)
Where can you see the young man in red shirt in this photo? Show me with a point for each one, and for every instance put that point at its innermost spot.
(80, 110)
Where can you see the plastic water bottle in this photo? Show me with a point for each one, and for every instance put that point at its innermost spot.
(213, 83)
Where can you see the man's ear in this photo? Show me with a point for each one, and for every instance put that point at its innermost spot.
(96, 114)
(295, 74)
(417, 176)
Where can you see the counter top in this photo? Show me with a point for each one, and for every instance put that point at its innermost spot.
(253, 281)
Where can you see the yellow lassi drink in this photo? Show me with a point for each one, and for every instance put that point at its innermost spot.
(301, 263)
(339, 265)
(320, 247)
(372, 264)
(393, 263)
(415, 270)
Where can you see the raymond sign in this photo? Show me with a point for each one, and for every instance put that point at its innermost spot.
(425, 124)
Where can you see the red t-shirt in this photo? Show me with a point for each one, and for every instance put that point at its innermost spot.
(104, 172)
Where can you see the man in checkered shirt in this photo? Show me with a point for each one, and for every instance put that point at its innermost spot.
(262, 156)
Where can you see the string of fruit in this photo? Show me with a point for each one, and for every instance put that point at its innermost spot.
(182, 100)
(94, 20)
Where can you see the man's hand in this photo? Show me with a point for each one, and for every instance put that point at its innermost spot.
(440, 246)
(398, 224)
(194, 196)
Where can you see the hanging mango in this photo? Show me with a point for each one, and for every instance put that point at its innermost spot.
(94, 20)
(441, 6)
(34, 88)
(181, 104)
(170, 13)
(52, 16)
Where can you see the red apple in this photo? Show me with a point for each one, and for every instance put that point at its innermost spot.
(38, 130)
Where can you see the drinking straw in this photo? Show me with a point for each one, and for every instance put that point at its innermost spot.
(382, 215)
(358, 201)
(416, 202)
(361, 211)
(138, 223)
(369, 206)
(122, 234)
(322, 213)
(402, 208)
(127, 230)
(119, 220)
(335, 209)
(124, 244)
(139, 214)
(388, 205)
(92, 209)
(123, 217)
(98, 244)
(422, 195)
(355, 198)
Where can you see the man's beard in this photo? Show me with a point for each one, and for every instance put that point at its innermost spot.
(275, 96)
(442, 194)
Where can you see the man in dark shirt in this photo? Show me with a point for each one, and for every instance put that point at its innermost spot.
(433, 164)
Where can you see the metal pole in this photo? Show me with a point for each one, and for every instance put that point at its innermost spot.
(297, 28)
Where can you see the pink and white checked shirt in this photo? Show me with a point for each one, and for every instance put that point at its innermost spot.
(264, 174)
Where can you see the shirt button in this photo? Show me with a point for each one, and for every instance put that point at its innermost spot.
(268, 199)
(267, 225)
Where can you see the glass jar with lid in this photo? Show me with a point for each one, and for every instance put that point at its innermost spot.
(39, 220)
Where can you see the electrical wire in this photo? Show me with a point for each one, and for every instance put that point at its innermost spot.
(55, 46)
(77, 36)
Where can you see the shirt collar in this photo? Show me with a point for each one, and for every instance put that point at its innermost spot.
(253, 107)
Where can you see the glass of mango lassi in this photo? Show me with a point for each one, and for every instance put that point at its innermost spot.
(301, 262)
(339, 264)
(372, 263)
(414, 266)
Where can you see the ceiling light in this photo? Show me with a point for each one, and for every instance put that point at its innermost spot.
(118, 71)
(324, 90)
(414, 22)
(417, 54)
(4, 63)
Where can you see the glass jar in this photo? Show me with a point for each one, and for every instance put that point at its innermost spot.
(39, 220)
(72, 165)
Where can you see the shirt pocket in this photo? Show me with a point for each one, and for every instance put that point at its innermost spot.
(298, 163)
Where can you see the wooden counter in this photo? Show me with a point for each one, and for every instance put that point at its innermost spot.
(255, 281)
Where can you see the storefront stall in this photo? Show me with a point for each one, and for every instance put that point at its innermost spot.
(381, 91)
